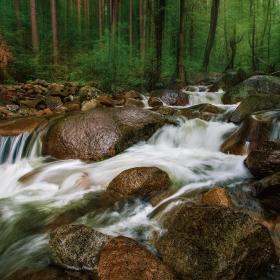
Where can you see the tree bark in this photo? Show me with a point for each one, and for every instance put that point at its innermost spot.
(18, 21)
(34, 26)
(54, 30)
(130, 23)
(101, 18)
(212, 32)
(181, 39)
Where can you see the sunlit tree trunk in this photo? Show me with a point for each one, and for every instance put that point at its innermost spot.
(18, 21)
(54, 30)
(181, 39)
(212, 32)
(34, 26)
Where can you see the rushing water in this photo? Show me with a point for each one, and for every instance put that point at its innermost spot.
(35, 190)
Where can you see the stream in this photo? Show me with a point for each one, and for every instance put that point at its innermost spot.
(35, 189)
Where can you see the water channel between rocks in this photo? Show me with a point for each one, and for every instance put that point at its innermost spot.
(35, 189)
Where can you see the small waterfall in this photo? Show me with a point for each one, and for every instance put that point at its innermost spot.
(198, 97)
(14, 148)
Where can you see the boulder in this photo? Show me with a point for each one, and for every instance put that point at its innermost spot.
(202, 111)
(210, 242)
(99, 133)
(52, 102)
(72, 106)
(76, 246)
(139, 181)
(154, 102)
(226, 82)
(252, 131)
(106, 101)
(268, 185)
(171, 98)
(88, 105)
(133, 94)
(58, 91)
(264, 160)
(254, 103)
(87, 93)
(217, 196)
(260, 84)
(124, 258)
(134, 103)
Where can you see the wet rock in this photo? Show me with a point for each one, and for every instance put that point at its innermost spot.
(130, 102)
(106, 100)
(133, 94)
(268, 185)
(264, 160)
(210, 242)
(255, 85)
(53, 272)
(99, 133)
(226, 82)
(139, 181)
(87, 93)
(166, 111)
(217, 196)
(88, 105)
(73, 106)
(58, 91)
(253, 130)
(154, 102)
(76, 246)
(171, 98)
(204, 77)
(52, 102)
(254, 103)
(16, 126)
(12, 108)
(202, 111)
(124, 258)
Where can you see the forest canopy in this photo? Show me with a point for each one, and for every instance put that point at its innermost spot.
(128, 44)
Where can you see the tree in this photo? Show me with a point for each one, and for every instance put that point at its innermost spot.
(181, 40)
(34, 26)
(212, 32)
(18, 21)
(54, 30)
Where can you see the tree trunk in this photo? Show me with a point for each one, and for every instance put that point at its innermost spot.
(34, 27)
(101, 18)
(114, 5)
(181, 39)
(18, 21)
(130, 23)
(79, 5)
(159, 40)
(54, 30)
(142, 25)
(212, 32)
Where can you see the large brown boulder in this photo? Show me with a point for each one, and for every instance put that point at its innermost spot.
(264, 160)
(210, 242)
(99, 133)
(139, 181)
(76, 246)
(171, 98)
(254, 103)
(124, 258)
(260, 84)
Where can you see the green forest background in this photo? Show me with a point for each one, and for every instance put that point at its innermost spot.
(130, 44)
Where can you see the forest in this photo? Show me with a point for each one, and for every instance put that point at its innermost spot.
(146, 44)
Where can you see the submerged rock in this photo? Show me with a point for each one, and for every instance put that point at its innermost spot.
(206, 242)
(99, 133)
(139, 181)
(124, 258)
(76, 246)
(264, 160)
(260, 84)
